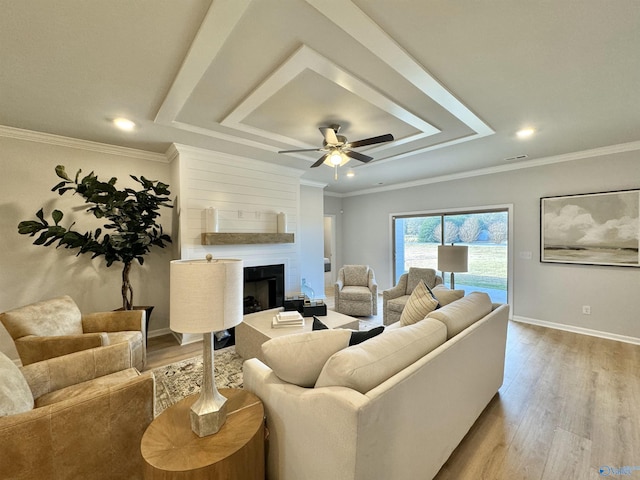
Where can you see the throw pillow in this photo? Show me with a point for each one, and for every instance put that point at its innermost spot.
(299, 358)
(445, 295)
(356, 336)
(359, 337)
(15, 394)
(420, 303)
(318, 325)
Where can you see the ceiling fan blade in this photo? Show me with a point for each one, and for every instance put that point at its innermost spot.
(371, 141)
(303, 150)
(321, 161)
(357, 156)
(329, 135)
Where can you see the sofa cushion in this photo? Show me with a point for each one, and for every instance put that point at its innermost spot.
(462, 313)
(445, 295)
(299, 358)
(397, 304)
(420, 303)
(365, 366)
(355, 294)
(15, 394)
(58, 316)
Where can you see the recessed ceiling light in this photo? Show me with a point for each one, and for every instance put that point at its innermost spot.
(124, 124)
(525, 132)
(351, 173)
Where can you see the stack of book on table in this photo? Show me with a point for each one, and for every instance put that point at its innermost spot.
(287, 319)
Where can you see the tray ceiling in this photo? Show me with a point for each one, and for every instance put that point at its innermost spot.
(254, 77)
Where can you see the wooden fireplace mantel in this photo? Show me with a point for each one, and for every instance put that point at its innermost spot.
(230, 238)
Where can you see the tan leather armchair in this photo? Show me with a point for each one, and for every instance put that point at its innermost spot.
(75, 416)
(395, 298)
(356, 291)
(56, 327)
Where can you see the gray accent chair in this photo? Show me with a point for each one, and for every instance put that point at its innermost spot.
(356, 291)
(394, 299)
(55, 327)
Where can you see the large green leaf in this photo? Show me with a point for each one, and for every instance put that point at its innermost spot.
(57, 216)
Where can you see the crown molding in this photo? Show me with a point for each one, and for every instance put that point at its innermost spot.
(567, 157)
(61, 141)
(177, 149)
(309, 183)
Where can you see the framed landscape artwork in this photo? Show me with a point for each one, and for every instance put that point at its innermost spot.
(591, 228)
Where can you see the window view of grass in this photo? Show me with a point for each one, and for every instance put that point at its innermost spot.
(484, 233)
(487, 263)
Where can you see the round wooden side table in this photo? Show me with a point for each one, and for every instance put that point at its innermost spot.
(171, 450)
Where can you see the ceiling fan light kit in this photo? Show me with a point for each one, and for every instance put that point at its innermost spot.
(339, 150)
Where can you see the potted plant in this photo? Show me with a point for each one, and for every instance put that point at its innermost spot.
(131, 227)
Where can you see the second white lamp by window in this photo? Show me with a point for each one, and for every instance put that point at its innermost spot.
(453, 258)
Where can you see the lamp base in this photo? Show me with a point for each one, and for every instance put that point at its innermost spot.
(209, 412)
(208, 423)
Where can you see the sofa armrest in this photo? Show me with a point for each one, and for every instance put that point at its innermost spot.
(373, 286)
(32, 348)
(307, 426)
(396, 291)
(339, 285)
(88, 436)
(59, 372)
(117, 321)
(438, 280)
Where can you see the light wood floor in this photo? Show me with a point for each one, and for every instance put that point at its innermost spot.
(569, 405)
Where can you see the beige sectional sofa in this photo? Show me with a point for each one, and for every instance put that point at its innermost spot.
(391, 408)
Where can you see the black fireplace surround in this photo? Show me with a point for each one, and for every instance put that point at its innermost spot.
(263, 288)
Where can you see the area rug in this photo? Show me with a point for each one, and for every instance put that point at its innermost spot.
(181, 379)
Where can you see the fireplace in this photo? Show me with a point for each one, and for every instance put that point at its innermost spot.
(263, 288)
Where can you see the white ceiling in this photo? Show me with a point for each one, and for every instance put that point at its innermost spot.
(452, 81)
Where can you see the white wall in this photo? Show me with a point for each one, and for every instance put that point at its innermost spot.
(543, 292)
(312, 238)
(248, 195)
(30, 273)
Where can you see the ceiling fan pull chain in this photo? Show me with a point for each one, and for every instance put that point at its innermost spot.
(335, 177)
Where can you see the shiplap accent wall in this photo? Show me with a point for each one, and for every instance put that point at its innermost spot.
(248, 195)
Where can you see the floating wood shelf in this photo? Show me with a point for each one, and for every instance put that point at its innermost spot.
(245, 238)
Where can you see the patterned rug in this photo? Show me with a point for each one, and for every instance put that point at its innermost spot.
(181, 379)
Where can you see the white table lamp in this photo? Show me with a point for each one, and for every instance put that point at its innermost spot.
(453, 258)
(206, 297)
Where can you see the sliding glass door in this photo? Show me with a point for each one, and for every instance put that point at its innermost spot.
(416, 240)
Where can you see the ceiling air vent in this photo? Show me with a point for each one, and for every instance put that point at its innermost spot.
(517, 157)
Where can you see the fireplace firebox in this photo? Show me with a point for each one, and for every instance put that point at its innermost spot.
(263, 288)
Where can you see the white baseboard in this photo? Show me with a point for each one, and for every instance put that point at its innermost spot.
(580, 330)
(159, 332)
(182, 338)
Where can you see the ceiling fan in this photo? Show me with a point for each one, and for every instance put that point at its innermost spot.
(339, 150)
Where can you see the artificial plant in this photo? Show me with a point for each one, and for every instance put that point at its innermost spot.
(131, 227)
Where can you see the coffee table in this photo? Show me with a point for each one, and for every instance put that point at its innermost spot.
(255, 329)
